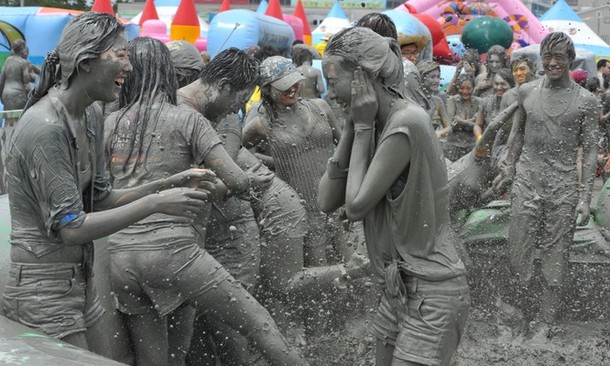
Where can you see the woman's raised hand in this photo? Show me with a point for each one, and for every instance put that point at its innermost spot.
(363, 106)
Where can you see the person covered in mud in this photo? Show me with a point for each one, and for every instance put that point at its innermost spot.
(189, 60)
(430, 73)
(461, 110)
(148, 138)
(388, 170)
(232, 233)
(15, 79)
(312, 86)
(469, 64)
(556, 119)
(278, 211)
(57, 185)
(495, 60)
(491, 105)
(298, 135)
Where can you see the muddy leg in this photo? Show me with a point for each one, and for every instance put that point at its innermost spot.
(234, 306)
(148, 334)
(77, 339)
(383, 353)
(180, 331)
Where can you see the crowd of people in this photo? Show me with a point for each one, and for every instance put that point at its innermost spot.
(228, 186)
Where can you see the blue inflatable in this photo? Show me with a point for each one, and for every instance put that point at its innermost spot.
(245, 28)
(42, 27)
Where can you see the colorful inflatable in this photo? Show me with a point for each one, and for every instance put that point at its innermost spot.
(483, 32)
(32, 21)
(440, 48)
(453, 15)
(244, 28)
(408, 24)
(335, 20)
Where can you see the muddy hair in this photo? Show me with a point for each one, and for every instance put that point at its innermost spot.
(507, 75)
(528, 61)
(380, 56)
(498, 51)
(85, 37)
(18, 46)
(464, 78)
(301, 55)
(555, 38)
(152, 81)
(234, 66)
(379, 23)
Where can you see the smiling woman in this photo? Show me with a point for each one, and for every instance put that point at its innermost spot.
(56, 180)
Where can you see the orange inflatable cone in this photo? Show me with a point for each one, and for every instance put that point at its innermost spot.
(149, 12)
(299, 12)
(274, 10)
(226, 5)
(185, 25)
(103, 6)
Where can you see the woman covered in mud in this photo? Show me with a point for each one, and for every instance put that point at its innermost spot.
(299, 135)
(148, 138)
(388, 170)
(15, 79)
(56, 184)
(430, 73)
(491, 104)
(461, 110)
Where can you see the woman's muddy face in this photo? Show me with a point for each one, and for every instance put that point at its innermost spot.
(109, 71)
(287, 97)
(494, 63)
(432, 80)
(339, 80)
(466, 90)
(500, 85)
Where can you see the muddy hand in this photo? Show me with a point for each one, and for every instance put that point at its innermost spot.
(364, 100)
(191, 178)
(259, 180)
(186, 202)
(583, 212)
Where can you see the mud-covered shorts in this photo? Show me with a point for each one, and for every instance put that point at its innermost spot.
(54, 298)
(163, 279)
(429, 327)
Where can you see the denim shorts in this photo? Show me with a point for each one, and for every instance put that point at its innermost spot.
(162, 280)
(427, 325)
(54, 298)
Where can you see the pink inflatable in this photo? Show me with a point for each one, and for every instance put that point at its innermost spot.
(296, 24)
(156, 28)
(454, 14)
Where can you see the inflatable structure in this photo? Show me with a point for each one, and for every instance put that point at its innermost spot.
(245, 28)
(34, 21)
(335, 21)
(561, 18)
(453, 15)
(408, 24)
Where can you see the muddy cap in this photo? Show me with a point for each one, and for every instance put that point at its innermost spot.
(185, 55)
(279, 72)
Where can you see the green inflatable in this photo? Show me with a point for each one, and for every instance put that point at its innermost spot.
(484, 32)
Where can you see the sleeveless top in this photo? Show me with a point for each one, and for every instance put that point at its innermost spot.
(300, 156)
(410, 228)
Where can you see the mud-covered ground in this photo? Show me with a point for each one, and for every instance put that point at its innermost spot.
(495, 334)
(488, 340)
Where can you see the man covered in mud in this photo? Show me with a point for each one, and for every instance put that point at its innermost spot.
(556, 118)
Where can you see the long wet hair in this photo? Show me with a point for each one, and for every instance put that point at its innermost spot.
(152, 81)
(85, 37)
(380, 56)
(498, 51)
